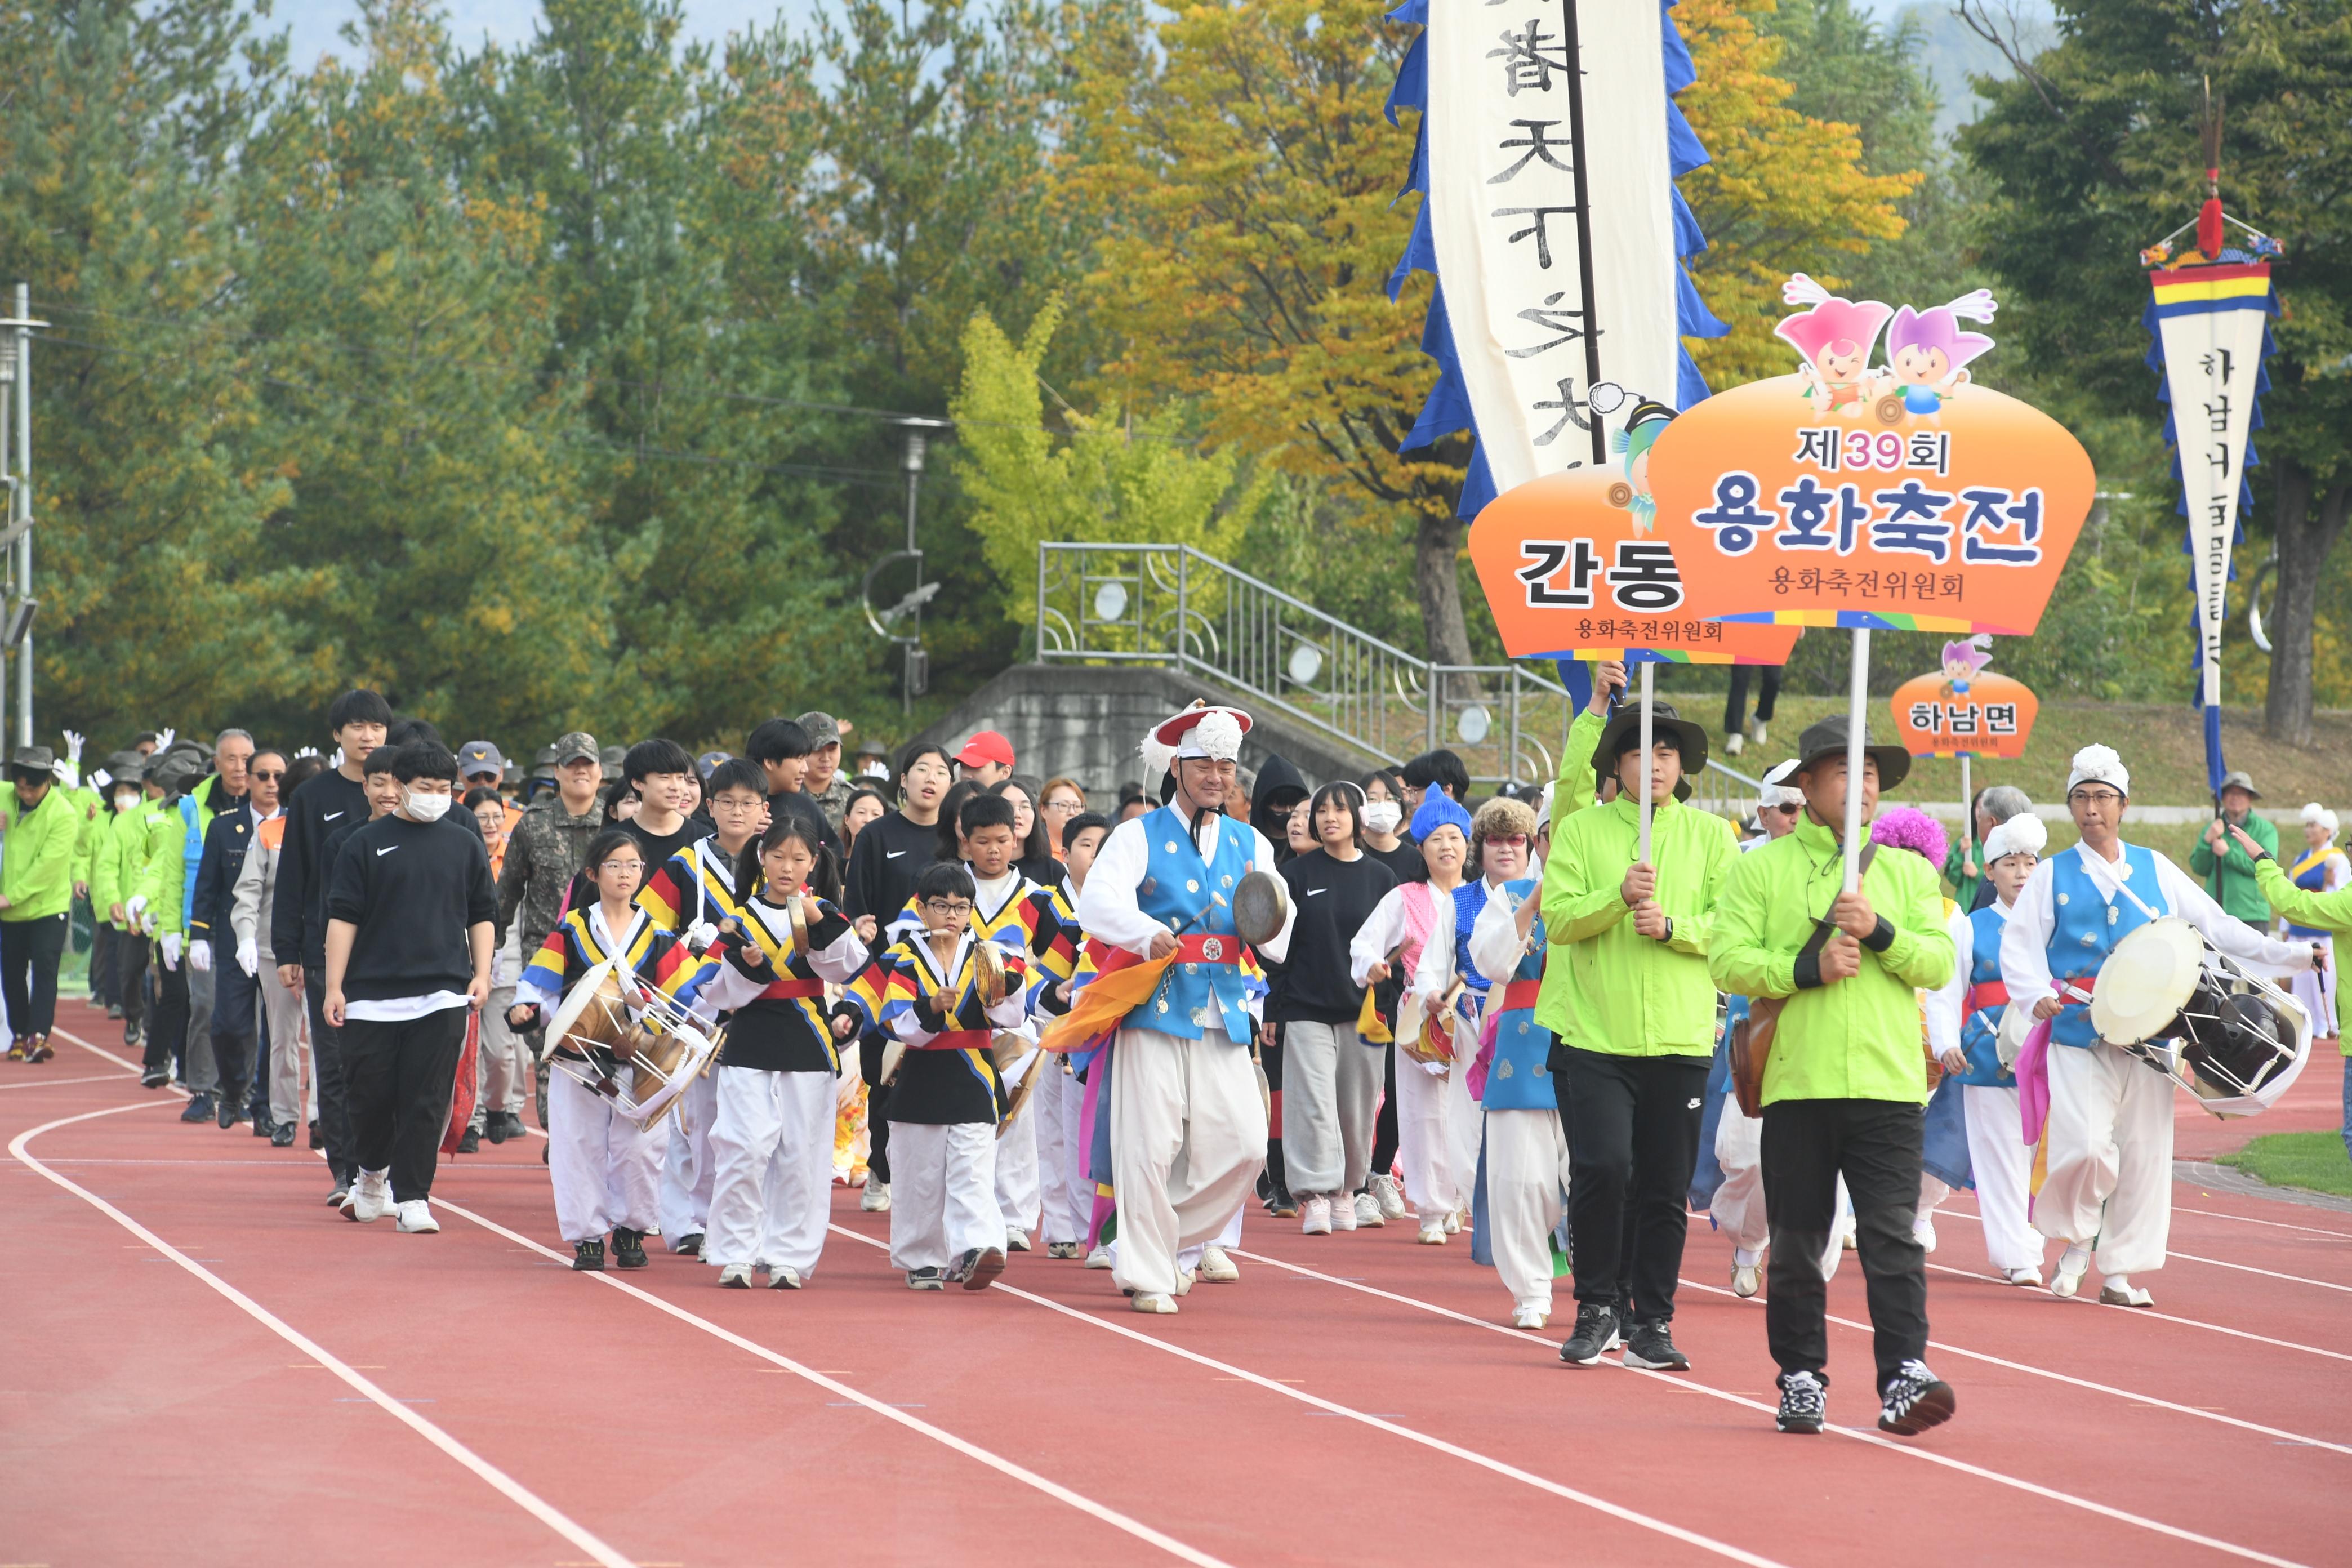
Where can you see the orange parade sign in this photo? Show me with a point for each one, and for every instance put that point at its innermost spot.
(1898, 507)
(1980, 715)
(1571, 571)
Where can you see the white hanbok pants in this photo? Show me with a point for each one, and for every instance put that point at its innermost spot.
(687, 1166)
(1017, 1180)
(1527, 1171)
(2110, 1169)
(771, 1157)
(1437, 1131)
(1187, 1142)
(1065, 1192)
(604, 1170)
(942, 1192)
(1737, 1209)
(2003, 1167)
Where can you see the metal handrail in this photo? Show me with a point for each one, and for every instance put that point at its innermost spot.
(1172, 605)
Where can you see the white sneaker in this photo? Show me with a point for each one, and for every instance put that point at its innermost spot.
(1923, 1231)
(1098, 1259)
(1016, 1240)
(874, 1197)
(1529, 1318)
(1154, 1302)
(2030, 1277)
(1452, 1222)
(1744, 1279)
(782, 1278)
(2072, 1267)
(1343, 1212)
(1758, 733)
(1733, 744)
(416, 1219)
(1433, 1233)
(372, 1195)
(1216, 1267)
(1315, 1217)
(1368, 1212)
(736, 1277)
(1384, 1193)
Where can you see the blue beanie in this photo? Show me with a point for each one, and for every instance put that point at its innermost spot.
(1438, 810)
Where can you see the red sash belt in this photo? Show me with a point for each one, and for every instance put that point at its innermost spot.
(957, 1040)
(786, 990)
(1987, 993)
(1199, 947)
(1519, 995)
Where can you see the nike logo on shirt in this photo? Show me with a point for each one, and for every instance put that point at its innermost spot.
(385, 851)
(892, 854)
(330, 817)
(1312, 891)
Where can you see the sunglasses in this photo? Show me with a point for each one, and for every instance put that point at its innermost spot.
(1510, 840)
(266, 776)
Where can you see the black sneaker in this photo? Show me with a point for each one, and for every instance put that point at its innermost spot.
(977, 1266)
(282, 1135)
(155, 1077)
(317, 1138)
(130, 1033)
(1914, 1400)
(628, 1247)
(588, 1257)
(1596, 1332)
(470, 1142)
(1650, 1347)
(1804, 1402)
(494, 1126)
(690, 1246)
(229, 1116)
(924, 1279)
(262, 1126)
(200, 1108)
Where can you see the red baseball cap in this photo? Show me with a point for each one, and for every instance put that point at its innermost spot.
(988, 746)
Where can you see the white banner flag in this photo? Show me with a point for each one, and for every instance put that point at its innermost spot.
(1502, 182)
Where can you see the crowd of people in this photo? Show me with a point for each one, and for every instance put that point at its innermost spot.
(1547, 1021)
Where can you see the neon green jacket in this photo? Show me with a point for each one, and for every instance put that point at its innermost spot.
(161, 837)
(37, 870)
(1628, 994)
(2321, 911)
(113, 871)
(1858, 1038)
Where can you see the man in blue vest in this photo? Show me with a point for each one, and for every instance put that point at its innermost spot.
(1187, 1126)
(2108, 1190)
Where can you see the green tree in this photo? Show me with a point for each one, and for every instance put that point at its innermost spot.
(2093, 149)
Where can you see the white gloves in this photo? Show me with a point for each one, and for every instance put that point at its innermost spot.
(74, 739)
(337, 760)
(163, 738)
(301, 752)
(200, 956)
(700, 936)
(66, 773)
(171, 945)
(248, 956)
(135, 909)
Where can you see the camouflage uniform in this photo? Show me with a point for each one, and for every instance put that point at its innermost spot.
(545, 852)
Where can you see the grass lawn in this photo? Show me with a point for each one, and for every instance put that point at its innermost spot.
(2315, 1161)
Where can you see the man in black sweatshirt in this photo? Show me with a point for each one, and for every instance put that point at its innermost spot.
(298, 918)
(410, 905)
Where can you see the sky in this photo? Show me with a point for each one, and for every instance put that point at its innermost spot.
(313, 25)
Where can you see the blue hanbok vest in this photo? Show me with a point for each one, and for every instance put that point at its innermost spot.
(2086, 928)
(1194, 996)
(1520, 1076)
(1980, 1025)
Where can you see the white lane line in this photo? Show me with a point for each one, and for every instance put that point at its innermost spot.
(2249, 1220)
(61, 1082)
(2036, 1489)
(2152, 1314)
(970, 1450)
(1329, 1407)
(515, 1491)
(2216, 1262)
(2125, 1393)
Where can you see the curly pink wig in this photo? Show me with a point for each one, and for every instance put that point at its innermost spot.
(1909, 827)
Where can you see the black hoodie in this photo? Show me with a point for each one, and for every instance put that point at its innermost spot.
(1279, 787)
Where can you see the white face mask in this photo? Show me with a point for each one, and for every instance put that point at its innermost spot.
(126, 800)
(425, 808)
(1383, 816)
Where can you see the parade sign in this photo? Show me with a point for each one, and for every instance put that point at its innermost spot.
(1902, 496)
(1964, 710)
(1572, 570)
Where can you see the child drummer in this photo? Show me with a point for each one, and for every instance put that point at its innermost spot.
(771, 1143)
(604, 1167)
(947, 1097)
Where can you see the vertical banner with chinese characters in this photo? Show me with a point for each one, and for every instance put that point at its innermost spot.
(2211, 326)
(1520, 221)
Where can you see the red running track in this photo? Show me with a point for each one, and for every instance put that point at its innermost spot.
(207, 1366)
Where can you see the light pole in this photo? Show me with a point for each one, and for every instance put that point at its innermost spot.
(17, 467)
(915, 667)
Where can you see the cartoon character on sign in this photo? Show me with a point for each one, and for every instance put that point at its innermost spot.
(1835, 337)
(1963, 661)
(1643, 428)
(1927, 349)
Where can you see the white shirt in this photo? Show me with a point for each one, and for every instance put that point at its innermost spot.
(2025, 945)
(1948, 1002)
(1385, 929)
(1107, 907)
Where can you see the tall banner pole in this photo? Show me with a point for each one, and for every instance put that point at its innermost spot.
(1572, 50)
(1968, 817)
(1857, 715)
(1647, 763)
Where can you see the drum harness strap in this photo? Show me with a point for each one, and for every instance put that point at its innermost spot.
(2079, 989)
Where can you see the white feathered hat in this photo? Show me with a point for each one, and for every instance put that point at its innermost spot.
(2024, 834)
(2099, 764)
(1200, 731)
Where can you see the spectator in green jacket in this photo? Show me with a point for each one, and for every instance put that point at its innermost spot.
(109, 887)
(158, 907)
(1845, 1084)
(2229, 872)
(36, 897)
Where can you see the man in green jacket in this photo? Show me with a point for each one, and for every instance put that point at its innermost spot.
(1636, 1031)
(2321, 911)
(1846, 1080)
(158, 909)
(43, 830)
(2230, 873)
